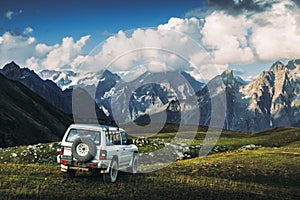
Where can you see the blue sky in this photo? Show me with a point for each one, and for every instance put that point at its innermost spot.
(244, 35)
(52, 20)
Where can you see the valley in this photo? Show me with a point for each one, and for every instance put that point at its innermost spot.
(269, 171)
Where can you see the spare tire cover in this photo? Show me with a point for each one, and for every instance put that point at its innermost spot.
(83, 149)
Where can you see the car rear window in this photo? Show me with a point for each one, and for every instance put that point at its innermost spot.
(76, 133)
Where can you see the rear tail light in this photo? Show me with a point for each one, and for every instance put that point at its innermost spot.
(60, 151)
(103, 154)
(64, 162)
(93, 165)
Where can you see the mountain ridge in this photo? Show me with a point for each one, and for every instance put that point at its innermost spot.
(45, 88)
(272, 99)
(27, 118)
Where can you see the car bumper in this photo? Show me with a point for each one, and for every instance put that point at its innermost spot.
(103, 165)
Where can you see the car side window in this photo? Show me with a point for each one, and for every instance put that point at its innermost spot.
(109, 138)
(113, 138)
(117, 138)
(123, 137)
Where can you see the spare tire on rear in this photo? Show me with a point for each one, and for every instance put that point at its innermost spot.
(83, 149)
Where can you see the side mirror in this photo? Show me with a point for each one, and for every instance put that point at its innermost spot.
(129, 141)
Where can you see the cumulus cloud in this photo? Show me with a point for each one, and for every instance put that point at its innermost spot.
(279, 36)
(61, 56)
(227, 36)
(268, 35)
(206, 45)
(171, 46)
(17, 48)
(236, 7)
(27, 51)
(210, 44)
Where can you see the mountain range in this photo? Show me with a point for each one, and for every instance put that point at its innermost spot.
(272, 99)
(27, 118)
(49, 90)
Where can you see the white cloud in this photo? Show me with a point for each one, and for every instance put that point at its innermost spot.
(189, 26)
(10, 14)
(43, 49)
(204, 46)
(26, 51)
(279, 36)
(171, 46)
(17, 48)
(33, 63)
(28, 30)
(61, 56)
(227, 36)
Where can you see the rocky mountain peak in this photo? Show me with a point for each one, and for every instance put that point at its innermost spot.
(12, 69)
(271, 94)
(230, 80)
(15, 72)
(279, 67)
(292, 64)
(109, 74)
(270, 100)
(276, 80)
(11, 66)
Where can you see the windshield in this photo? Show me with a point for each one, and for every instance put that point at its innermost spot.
(76, 133)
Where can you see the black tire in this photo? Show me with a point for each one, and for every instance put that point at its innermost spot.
(112, 175)
(135, 162)
(83, 149)
(69, 174)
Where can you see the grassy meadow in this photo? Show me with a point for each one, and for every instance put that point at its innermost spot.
(271, 171)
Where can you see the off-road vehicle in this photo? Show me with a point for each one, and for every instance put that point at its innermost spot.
(98, 149)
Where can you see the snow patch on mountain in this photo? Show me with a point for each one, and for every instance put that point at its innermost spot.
(70, 79)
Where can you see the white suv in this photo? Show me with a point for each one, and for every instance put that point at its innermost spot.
(97, 148)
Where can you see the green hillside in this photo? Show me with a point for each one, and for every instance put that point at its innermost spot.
(269, 171)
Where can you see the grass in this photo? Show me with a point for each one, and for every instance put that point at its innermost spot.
(270, 172)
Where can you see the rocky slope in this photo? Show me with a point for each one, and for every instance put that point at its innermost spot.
(45, 88)
(26, 118)
(61, 99)
(270, 100)
(274, 96)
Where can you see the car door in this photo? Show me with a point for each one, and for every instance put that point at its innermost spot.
(119, 147)
(126, 149)
(113, 145)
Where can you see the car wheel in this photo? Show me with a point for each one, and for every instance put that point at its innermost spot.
(83, 149)
(113, 172)
(134, 167)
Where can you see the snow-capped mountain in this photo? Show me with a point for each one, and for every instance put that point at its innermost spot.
(63, 100)
(149, 94)
(70, 79)
(270, 100)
